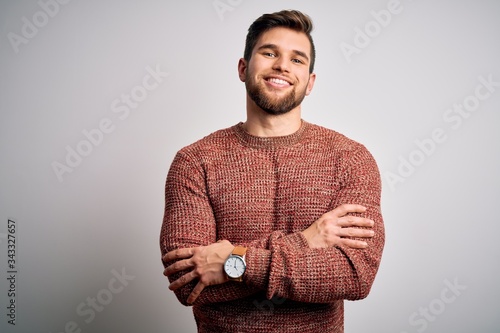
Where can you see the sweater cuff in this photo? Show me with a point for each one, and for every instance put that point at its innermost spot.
(296, 240)
(259, 260)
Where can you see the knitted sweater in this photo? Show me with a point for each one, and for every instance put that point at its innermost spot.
(261, 192)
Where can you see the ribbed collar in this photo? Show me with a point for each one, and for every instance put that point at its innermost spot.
(269, 142)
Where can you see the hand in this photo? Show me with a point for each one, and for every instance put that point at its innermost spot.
(207, 266)
(332, 228)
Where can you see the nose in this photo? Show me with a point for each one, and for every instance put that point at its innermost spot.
(280, 64)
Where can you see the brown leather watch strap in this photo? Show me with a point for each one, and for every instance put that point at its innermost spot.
(239, 251)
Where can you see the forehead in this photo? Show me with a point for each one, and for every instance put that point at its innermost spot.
(285, 39)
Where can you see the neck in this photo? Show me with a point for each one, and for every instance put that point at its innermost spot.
(260, 123)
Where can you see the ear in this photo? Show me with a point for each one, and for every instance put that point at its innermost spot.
(310, 84)
(242, 69)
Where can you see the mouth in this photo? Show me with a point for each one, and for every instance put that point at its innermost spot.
(278, 81)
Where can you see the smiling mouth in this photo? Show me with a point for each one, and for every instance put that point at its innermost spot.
(277, 82)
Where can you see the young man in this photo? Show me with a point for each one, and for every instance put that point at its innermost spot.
(270, 224)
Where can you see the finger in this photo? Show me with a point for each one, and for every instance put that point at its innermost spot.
(354, 244)
(178, 266)
(195, 293)
(182, 281)
(348, 208)
(178, 254)
(356, 232)
(355, 221)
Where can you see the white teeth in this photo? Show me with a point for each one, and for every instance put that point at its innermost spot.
(278, 81)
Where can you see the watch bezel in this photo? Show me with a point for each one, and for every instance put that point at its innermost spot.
(236, 257)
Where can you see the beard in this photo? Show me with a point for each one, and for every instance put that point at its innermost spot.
(270, 103)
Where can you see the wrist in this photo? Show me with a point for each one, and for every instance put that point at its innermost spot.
(235, 264)
(314, 238)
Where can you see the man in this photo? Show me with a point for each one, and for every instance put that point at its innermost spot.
(270, 224)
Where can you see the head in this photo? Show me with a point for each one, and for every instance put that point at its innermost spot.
(291, 19)
(277, 66)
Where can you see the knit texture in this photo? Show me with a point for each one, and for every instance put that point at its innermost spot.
(261, 192)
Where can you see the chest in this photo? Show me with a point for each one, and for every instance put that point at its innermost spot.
(258, 193)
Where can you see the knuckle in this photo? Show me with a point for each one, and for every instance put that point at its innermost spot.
(196, 261)
(345, 232)
(198, 271)
(204, 281)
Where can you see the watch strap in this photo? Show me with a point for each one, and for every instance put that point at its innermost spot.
(239, 251)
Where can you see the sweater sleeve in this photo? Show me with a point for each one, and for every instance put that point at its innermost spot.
(189, 222)
(290, 269)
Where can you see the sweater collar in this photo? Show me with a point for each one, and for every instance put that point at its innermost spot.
(272, 141)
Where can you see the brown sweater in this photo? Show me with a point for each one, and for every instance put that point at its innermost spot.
(260, 193)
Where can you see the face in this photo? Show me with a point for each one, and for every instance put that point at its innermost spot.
(277, 76)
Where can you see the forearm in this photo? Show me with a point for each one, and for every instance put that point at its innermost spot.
(217, 290)
(256, 276)
(292, 270)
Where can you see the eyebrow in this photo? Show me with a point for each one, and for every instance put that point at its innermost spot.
(275, 47)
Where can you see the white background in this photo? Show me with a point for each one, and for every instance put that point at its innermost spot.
(75, 229)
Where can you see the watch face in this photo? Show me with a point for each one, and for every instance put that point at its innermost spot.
(234, 267)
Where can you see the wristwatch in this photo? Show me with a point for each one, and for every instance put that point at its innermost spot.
(235, 264)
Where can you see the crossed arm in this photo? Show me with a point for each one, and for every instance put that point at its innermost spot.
(205, 263)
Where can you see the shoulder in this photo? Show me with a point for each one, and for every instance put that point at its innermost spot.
(352, 160)
(347, 154)
(211, 144)
(332, 140)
